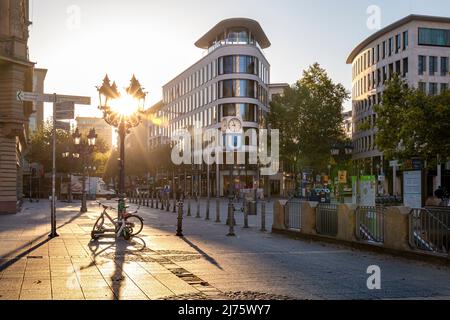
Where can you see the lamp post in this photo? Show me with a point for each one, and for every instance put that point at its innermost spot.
(341, 153)
(124, 112)
(70, 156)
(84, 149)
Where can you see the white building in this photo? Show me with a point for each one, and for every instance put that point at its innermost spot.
(232, 79)
(415, 47)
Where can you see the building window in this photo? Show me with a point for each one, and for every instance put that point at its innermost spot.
(434, 37)
(433, 65)
(444, 87)
(391, 46)
(405, 67)
(444, 66)
(384, 49)
(423, 87)
(433, 88)
(398, 67)
(405, 40)
(398, 43)
(378, 53)
(238, 88)
(238, 64)
(422, 64)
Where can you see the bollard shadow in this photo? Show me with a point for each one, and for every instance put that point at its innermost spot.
(203, 253)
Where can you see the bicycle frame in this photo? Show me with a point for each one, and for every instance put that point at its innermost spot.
(117, 231)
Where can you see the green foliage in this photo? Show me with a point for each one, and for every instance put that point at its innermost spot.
(410, 123)
(309, 117)
(40, 151)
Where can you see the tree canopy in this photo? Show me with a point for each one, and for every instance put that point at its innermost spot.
(309, 117)
(413, 124)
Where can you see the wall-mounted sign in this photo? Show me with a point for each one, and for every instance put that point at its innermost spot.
(412, 189)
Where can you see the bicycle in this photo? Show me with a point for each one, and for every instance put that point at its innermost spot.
(132, 227)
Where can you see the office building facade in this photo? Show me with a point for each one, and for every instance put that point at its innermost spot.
(232, 79)
(417, 48)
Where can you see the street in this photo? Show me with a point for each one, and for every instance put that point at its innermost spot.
(205, 264)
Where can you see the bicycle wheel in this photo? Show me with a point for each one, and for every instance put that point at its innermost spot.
(135, 224)
(98, 227)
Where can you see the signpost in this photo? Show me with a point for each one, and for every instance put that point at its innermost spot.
(394, 165)
(62, 104)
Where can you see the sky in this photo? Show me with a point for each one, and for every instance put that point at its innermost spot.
(79, 41)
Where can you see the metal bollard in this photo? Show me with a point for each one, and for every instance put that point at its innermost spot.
(245, 215)
(168, 203)
(207, 209)
(263, 216)
(197, 199)
(189, 206)
(152, 204)
(180, 219)
(174, 204)
(231, 220)
(218, 210)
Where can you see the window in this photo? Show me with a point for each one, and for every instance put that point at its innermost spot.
(391, 46)
(433, 88)
(238, 64)
(433, 65)
(398, 67)
(405, 40)
(434, 37)
(423, 87)
(398, 43)
(422, 64)
(384, 49)
(384, 74)
(405, 67)
(444, 87)
(238, 88)
(444, 66)
(378, 53)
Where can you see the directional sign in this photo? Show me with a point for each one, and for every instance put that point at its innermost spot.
(44, 97)
(64, 110)
(393, 163)
(62, 125)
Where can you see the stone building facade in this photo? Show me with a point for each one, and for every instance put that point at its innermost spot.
(16, 73)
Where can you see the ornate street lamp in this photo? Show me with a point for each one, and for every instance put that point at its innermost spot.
(124, 112)
(84, 148)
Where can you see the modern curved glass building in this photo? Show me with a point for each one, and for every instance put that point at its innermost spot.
(231, 79)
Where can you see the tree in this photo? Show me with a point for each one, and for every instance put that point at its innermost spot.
(410, 123)
(309, 117)
(40, 151)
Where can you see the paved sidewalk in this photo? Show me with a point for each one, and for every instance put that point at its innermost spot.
(204, 264)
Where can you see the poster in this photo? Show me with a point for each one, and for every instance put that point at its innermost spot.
(342, 175)
(412, 189)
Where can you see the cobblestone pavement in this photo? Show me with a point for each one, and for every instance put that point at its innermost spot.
(205, 264)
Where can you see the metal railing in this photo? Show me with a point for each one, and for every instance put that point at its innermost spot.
(293, 214)
(429, 229)
(327, 219)
(370, 224)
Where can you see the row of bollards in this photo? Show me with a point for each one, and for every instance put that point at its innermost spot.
(158, 200)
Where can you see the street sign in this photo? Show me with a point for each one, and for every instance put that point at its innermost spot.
(65, 110)
(55, 98)
(62, 125)
(393, 163)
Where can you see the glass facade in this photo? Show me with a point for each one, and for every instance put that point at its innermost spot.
(246, 111)
(434, 37)
(238, 64)
(238, 88)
